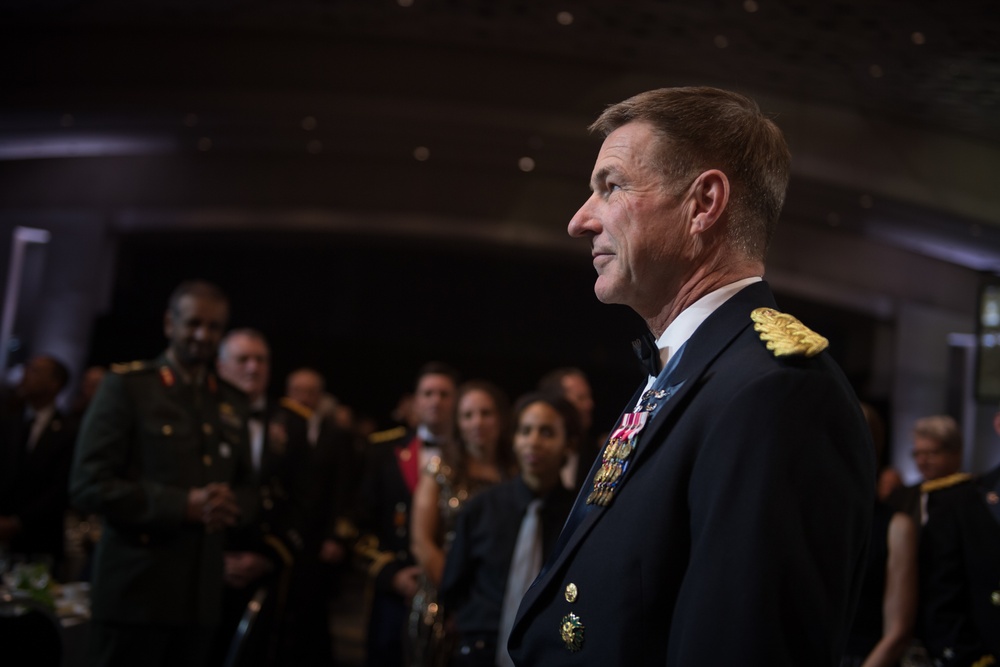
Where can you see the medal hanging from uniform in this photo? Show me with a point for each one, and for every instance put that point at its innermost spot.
(615, 459)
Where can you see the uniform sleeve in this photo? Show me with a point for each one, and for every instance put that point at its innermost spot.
(105, 478)
(781, 495)
(376, 559)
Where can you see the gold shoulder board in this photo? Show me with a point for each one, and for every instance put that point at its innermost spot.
(386, 436)
(296, 407)
(129, 367)
(944, 482)
(785, 335)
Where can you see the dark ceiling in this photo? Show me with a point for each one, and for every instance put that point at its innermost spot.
(413, 113)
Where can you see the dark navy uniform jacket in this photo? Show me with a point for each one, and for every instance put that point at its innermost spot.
(738, 534)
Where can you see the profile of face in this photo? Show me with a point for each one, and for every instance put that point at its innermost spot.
(540, 445)
(478, 423)
(306, 388)
(434, 402)
(195, 328)
(576, 389)
(932, 460)
(245, 362)
(640, 244)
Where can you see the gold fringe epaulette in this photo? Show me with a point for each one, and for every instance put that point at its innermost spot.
(132, 367)
(296, 407)
(944, 482)
(387, 435)
(785, 335)
(985, 661)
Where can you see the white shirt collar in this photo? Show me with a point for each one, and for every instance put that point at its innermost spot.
(685, 324)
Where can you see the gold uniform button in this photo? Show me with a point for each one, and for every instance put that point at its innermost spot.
(995, 598)
(207, 429)
(167, 429)
(571, 592)
(207, 460)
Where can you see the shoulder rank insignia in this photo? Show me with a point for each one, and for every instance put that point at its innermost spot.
(167, 376)
(129, 367)
(944, 482)
(785, 335)
(294, 406)
(387, 435)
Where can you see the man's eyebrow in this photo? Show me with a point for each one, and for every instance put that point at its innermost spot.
(601, 175)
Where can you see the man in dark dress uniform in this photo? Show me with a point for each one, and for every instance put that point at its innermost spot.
(163, 459)
(391, 470)
(36, 449)
(937, 452)
(260, 557)
(318, 458)
(960, 573)
(726, 520)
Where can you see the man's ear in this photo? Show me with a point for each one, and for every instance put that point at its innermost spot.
(709, 198)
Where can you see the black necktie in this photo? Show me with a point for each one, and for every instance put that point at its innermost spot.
(647, 352)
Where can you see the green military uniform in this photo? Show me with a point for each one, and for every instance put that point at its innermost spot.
(148, 438)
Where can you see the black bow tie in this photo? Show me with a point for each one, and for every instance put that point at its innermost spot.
(258, 414)
(647, 352)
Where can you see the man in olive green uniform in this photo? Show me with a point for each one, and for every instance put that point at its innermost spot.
(163, 457)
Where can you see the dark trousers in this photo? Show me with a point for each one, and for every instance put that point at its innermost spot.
(128, 645)
(385, 630)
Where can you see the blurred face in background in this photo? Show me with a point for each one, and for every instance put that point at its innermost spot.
(933, 461)
(245, 362)
(194, 329)
(540, 445)
(478, 423)
(576, 389)
(434, 402)
(306, 388)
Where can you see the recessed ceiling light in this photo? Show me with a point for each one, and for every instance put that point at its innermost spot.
(421, 153)
(526, 164)
(309, 123)
(564, 18)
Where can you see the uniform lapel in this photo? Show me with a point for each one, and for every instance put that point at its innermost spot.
(705, 345)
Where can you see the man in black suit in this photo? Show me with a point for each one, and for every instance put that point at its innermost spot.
(261, 555)
(960, 573)
(319, 458)
(36, 445)
(726, 520)
(937, 452)
(391, 470)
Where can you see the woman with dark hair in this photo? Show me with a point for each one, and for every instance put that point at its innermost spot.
(503, 535)
(481, 459)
